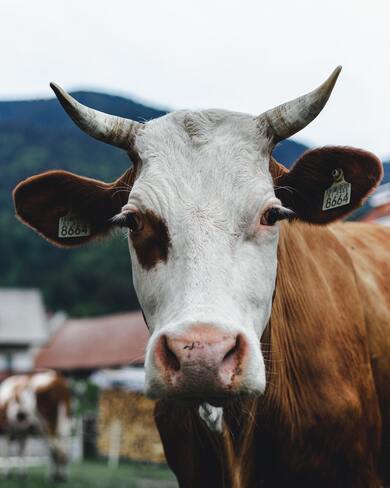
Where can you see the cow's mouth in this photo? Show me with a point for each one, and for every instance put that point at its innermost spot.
(21, 417)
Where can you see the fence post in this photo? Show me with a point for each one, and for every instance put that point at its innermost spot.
(114, 443)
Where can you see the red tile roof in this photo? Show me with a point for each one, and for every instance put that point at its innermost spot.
(101, 342)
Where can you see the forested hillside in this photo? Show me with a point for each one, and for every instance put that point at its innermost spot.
(36, 136)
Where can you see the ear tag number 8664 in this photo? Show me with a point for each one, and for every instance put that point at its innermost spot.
(72, 226)
(339, 193)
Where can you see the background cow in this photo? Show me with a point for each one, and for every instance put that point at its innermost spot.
(37, 404)
(275, 334)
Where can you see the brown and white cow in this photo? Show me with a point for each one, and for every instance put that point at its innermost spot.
(37, 404)
(270, 341)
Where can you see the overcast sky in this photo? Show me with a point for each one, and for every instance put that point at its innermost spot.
(240, 55)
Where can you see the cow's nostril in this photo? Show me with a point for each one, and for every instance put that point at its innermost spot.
(170, 357)
(233, 351)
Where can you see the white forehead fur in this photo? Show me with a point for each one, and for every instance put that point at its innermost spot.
(202, 153)
(187, 130)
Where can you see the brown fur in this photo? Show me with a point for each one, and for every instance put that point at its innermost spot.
(199, 458)
(49, 398)
(152, 243)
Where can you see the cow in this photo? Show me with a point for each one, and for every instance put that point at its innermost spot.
(39, 404)
(269, 354)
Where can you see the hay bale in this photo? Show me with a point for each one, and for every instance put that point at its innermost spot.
(139, 439)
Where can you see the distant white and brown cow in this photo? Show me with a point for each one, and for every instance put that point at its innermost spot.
(37, 404)
(275, 336)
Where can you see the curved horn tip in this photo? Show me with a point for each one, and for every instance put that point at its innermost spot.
(333, 77)
(59, 92)
(337, 70)
(289, 118)
(56, 88)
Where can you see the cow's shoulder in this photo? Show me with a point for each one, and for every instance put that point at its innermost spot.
(369, 248)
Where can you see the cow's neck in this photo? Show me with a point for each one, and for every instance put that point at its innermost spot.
(314, 271)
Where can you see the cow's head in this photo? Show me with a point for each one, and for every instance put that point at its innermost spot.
(201, 204)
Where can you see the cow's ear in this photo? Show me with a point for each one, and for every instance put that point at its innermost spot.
(67, 209)
(327, 184)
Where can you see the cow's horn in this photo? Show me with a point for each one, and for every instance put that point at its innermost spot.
(290, 117)
(104, 127)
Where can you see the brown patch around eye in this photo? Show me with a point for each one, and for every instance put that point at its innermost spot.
(152, 243)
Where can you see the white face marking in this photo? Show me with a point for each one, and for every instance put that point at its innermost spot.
(8, 387)
(19, 401)
(18, 397)
(210, 189)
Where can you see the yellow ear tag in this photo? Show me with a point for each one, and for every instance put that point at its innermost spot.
(70, 226)
(339, 194)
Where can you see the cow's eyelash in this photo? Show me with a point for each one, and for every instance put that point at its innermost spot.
(118, 219)
(131, 220)
(274, 214)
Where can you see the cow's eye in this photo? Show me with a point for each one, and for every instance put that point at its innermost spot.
(273, 214)
(133, 221)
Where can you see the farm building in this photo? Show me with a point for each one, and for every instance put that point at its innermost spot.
(96, 346)
(81, 346)
(23, 329)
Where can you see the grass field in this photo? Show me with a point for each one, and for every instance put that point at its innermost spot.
(94, 474)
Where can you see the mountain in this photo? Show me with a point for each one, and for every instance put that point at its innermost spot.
(37, 136)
